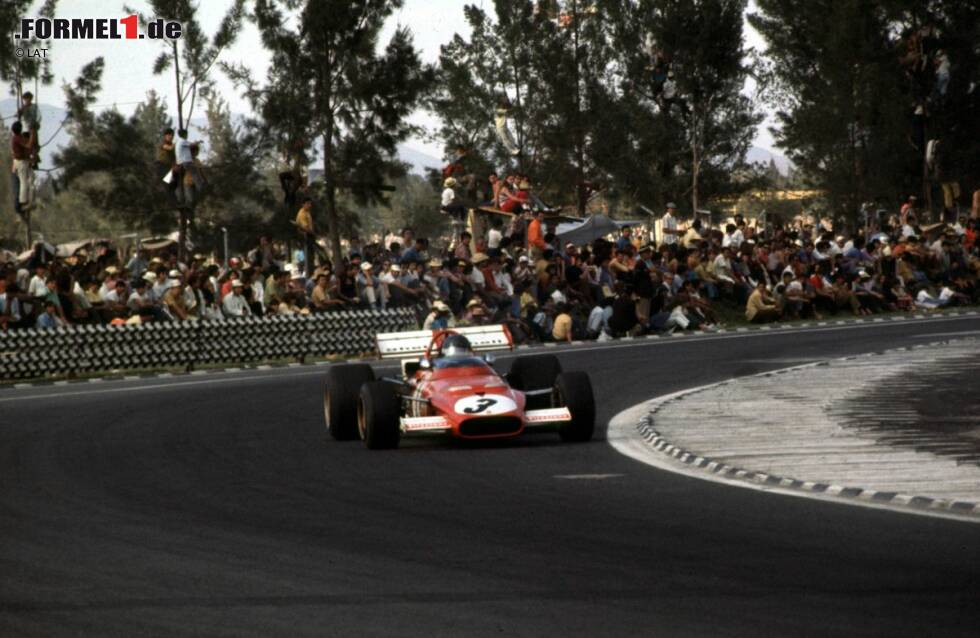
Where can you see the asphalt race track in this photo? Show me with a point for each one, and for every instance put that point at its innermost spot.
(218, 506)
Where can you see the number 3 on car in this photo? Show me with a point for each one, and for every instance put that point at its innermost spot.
(446, 387)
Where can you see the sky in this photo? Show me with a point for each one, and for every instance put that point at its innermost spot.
(128, 64)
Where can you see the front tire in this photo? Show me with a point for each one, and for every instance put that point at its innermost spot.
(340, 394)
(378, 415)
(573, 390)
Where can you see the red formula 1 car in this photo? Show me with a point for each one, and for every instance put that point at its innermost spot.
(446, 387)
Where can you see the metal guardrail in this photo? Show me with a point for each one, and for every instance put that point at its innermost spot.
(82, 349)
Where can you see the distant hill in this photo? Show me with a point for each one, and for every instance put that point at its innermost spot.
(758, 155)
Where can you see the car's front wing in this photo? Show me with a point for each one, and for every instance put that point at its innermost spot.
(435, 424)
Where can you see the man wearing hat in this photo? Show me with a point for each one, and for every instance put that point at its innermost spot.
(435, 280)
(159, 285)
(476, 314)
(440, 318)
(450, 203)
(668, 225)
(398, 293)
(235, 304)
(173, 300)
(368, 286)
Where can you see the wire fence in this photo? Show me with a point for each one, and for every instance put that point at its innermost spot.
(87, 349)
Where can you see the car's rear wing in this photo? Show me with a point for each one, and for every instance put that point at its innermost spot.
(398, 345)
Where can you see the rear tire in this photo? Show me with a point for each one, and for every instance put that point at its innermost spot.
(377, 415)
(534, 372)
(573, 390)
(340, 394)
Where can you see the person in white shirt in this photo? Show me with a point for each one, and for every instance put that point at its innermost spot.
(721, 268)
(234, 304)
(835, 248)
(39, 286)
(494, 236)
(187, 174)
(668, 225)
(117, 296)
(450, 205)
(733, 237)
(183, 149)
(160, 287)
(138, 298)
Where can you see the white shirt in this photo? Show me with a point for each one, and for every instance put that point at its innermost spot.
(235, 305)
(734, 240)
(182, 150)
(113, 297)
(668, 222)
(448, 195)
(722, 267)
(37, 287)
(493, 238)
(503, 282)
(136, 300)
(477, 279)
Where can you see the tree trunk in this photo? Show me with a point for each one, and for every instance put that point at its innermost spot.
(579, 134)
(181, 211)
(695, 169)
(520, 115)
(330, 184)
(180, 99)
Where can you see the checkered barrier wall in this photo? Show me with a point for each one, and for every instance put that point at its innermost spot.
(88, 349)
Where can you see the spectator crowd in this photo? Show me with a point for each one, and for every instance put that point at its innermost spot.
(520, 273)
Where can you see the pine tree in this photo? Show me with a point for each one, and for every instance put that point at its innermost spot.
(857, 92)
(239, 173)
(328, 83)
(192, 58)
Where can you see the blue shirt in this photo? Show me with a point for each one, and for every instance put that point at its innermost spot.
(46, 321)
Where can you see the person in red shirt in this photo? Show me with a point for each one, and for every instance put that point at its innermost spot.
(516, 202)
(21, 147)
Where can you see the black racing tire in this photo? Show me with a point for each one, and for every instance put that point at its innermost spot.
(535, 372)
(378, 415)
(340, 394)
(573, 390)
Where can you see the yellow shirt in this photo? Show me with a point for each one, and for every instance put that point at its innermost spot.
(304, 220)
(756, 304)
(563, 327)
(690, 238)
